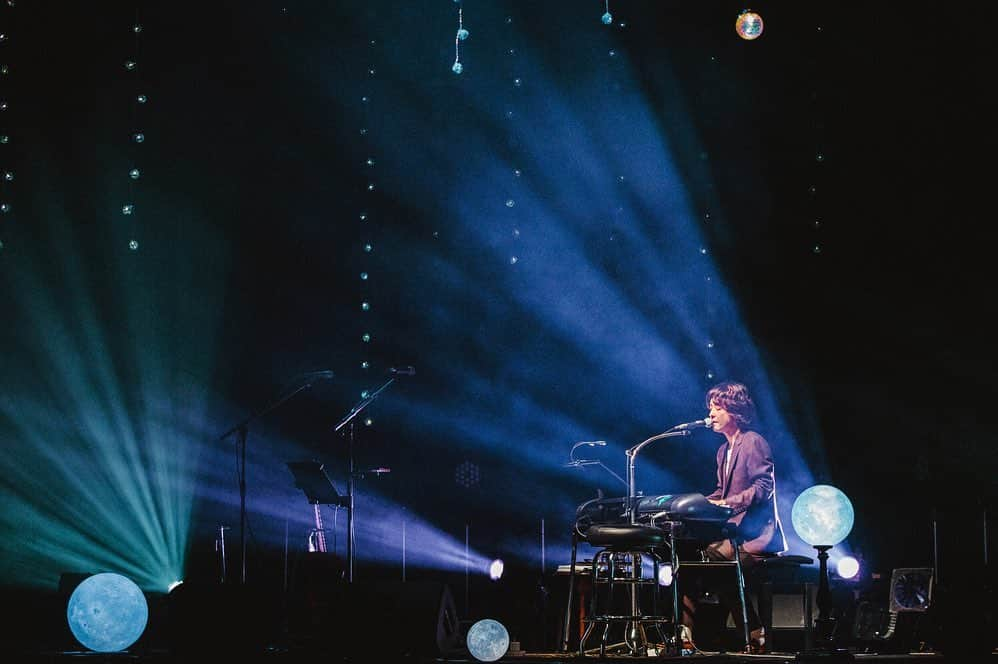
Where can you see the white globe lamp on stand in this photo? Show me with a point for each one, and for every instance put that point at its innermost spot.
(823, 516)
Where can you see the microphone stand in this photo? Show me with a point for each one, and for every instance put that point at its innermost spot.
(632, 455)
(348, 419)
(243, 428)
(637, 632)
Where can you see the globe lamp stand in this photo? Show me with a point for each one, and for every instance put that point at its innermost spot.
(825, 624)
(824, 649)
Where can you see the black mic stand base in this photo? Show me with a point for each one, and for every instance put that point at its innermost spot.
(830, 655)
(824, 650)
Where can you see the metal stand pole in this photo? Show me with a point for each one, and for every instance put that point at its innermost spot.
(220, 547)
(242, 503)
(349, 419)
(242, 429)
(825, 623)
(741, 593)
(571, 594)
(467, 571)
(350, 498)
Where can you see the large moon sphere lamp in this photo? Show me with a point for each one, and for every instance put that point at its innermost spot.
(822, 515)
(107, 612)
(487, 640)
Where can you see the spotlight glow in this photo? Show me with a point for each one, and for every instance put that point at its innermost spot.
(665, 575)
(496, 569)
(112, 492)
(847, 567)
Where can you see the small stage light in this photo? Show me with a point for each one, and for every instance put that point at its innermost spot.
(107, 612)
(665, 575)
(847, 567)
(487, 640)
(495, 569)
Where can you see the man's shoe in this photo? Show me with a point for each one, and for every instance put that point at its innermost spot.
(686, 635)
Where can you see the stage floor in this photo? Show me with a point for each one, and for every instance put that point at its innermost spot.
(278, 656)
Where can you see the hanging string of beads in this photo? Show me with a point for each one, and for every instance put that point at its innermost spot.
(138, 100)
(461, 35)
(7, 177)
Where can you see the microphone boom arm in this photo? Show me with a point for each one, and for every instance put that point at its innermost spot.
(347, 419)
(632, 455)
(362, 404)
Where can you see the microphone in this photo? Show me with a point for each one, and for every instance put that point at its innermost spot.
(402, 371)
(697, 424)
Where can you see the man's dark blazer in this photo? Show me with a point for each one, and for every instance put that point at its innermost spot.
(750, 488)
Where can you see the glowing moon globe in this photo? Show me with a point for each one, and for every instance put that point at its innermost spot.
(487, 640)
(748, 25)
(107, 612)
(822, 515)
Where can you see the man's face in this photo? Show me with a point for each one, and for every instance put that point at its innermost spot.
(720, 418)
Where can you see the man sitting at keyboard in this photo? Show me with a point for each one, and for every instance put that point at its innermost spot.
(747, 484)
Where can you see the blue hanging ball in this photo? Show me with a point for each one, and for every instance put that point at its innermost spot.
(462, 34)
(607, 18)
(457, 68)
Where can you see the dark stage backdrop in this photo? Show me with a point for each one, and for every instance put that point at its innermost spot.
(553, 239)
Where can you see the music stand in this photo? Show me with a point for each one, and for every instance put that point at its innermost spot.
(311, 477)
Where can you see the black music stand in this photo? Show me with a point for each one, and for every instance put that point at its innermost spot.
(311, 477)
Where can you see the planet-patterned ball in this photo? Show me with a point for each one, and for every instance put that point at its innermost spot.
(487, 640)
(107, 612)
(822, 515)
(748, 25)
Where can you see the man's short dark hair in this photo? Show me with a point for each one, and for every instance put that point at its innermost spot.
(734, 398)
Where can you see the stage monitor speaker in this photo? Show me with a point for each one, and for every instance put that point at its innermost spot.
(788, 608)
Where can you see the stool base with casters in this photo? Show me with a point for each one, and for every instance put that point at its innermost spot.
(627, 552)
